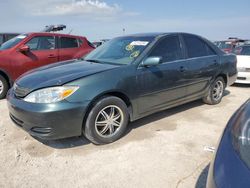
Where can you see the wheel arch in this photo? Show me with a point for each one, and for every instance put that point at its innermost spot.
(6, 76)
(224, 76)
(118, 94)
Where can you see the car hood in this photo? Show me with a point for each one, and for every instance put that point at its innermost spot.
(60, 73)
(243, 61)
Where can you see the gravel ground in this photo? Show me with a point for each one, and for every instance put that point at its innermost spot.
(163, 150)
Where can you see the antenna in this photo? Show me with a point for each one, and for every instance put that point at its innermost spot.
(70, 31)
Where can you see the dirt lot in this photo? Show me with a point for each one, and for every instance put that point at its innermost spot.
(163, 150)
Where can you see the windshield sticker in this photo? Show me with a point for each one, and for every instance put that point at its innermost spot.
(21, 36)
(135, 54)
(129, 47)
(139, 43)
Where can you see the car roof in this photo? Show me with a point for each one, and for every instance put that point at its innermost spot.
(51, 33)
(156, 34)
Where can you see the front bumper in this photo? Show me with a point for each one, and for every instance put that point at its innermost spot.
(243, 78)
(47, 121)
(231, 79)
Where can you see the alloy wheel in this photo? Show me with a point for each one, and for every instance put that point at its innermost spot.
(218, 90)
(1, 87)
(108, 121)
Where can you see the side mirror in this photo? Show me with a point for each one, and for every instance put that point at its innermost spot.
(24, 49)
(151, 61)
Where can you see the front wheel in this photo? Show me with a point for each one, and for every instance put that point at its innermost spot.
(215, 92)
(106, 121)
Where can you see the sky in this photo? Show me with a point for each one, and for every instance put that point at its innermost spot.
(101, 19)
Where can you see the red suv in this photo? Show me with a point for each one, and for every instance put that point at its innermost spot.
(32, 50)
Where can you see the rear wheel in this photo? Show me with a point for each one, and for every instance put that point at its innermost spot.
(106, 121)
(4, 87)
(215, 92)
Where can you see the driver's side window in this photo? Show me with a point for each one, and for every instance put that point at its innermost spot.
(168, 49)
(41, 43)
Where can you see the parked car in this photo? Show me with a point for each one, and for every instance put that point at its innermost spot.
(247, 42)
(32, 50)
(6, 36)
(229, 45)
(226, 46)
(123, 80)
(243, 64)
(231, 164)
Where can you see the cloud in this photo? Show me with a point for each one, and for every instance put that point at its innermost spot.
(211, 28)
(77, 7)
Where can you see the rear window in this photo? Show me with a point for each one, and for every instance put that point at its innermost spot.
(91, 44)
(67, 42)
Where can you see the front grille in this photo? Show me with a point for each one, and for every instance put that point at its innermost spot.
(20, 91)
(241, 78)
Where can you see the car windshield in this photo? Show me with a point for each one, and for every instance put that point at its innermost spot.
(121, 50)
(12, 42)
(242, 50)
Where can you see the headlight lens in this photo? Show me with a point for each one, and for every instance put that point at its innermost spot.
(50, 95)
(243, 69)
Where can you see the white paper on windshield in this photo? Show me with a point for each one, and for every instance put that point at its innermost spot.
(139, 43)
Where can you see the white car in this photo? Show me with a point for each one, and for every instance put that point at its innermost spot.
(243, 64)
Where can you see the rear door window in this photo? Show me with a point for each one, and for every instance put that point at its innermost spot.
(67, 42)
(168, 48)
(197, 47)
(41, 43)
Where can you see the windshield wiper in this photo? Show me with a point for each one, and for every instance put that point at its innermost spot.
(93, 60)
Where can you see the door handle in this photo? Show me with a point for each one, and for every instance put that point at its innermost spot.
(182, 69)
(51, 56)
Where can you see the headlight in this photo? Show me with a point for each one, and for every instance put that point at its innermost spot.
(243, 69)
(50, 95)
(241, 133)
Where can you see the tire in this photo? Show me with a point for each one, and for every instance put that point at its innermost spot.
(215, 92)
(4, 87)
(106, 121)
